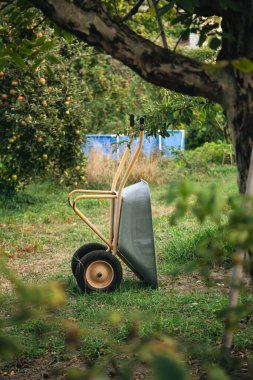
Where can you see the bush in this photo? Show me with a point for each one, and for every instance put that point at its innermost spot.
(209, 153)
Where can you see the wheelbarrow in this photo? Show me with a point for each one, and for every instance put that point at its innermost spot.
(96, 266)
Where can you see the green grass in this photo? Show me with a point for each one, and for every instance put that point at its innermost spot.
(39, 233)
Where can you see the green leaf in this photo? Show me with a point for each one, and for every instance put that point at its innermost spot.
(67, 36)
(202, 38)
(57, 30)
(2, 62)
(63, 33)
(53, 58)
(167, 369)
(243, 64)
(164, 9)
(188, 5)
(36, 64)
(50, 71)
(18, 60)
(47, 46)
(214, 43)
(184, 19)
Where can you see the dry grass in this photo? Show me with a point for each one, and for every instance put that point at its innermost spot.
(101, 169)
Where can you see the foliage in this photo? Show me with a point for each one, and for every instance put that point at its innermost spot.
(41, 130)
(23, 40)
(237, 227)
(203, 120)
(203, 157)
(30, 301)
(113, 92)
(42, 122)
(202, 54)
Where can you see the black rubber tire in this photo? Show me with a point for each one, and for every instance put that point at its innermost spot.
(82, 251)
(91, 258)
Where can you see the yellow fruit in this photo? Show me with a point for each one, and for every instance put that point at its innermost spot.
(42, 81)
(44, 156)
(77, 132)
(39, 139)
(77, 168)
(14, 177)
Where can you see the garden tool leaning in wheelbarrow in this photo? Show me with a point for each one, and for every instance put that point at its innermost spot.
(96, 266)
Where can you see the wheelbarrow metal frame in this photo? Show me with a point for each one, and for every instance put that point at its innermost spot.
(112, 242)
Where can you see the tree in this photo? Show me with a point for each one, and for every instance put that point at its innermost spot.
(226, 23)
(41, 131)
(229, 84)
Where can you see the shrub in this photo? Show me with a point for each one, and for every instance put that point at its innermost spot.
(205, 155)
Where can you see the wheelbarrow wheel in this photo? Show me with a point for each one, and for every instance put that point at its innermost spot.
(98, 271)
(82, 251)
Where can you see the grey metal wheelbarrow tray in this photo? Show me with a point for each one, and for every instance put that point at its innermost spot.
(136, 240)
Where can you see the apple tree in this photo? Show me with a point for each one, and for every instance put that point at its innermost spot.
(41, 122)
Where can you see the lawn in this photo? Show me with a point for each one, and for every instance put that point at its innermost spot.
(39, 234)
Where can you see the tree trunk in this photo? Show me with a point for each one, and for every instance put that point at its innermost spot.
(239, 107)
(240, 120)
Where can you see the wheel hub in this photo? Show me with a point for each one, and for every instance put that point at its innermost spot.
(99, 274)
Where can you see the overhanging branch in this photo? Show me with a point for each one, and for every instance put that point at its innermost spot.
(92, 24)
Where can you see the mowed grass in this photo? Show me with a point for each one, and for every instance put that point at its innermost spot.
(39, 234)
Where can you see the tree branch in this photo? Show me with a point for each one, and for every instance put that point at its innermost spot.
(133, 11)
(160, 25)
(92, 24)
